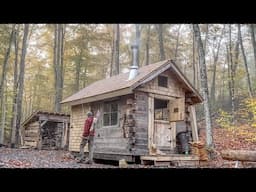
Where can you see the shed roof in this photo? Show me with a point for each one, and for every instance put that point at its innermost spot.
(35, 116)
(120, 85)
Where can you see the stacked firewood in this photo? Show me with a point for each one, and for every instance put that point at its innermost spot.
(198, 149)
(51, 138)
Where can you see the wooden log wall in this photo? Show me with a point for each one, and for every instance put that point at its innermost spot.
(31, 134)
(141, 123)
(173, 90)
(116, 138)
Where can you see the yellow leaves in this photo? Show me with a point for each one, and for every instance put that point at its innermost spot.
(224, 119)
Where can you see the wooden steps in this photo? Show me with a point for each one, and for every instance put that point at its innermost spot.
(177, 160)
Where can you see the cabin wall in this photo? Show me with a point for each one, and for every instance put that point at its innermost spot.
(163, 132)
(31, 134)
(77, 118)
(173, 90)
(112, 139)
(141, 123)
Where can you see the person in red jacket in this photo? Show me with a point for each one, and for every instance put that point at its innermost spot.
(88, 137)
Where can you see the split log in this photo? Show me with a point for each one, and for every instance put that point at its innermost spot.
(239, 155)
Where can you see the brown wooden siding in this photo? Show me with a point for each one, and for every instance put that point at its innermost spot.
(141, 119)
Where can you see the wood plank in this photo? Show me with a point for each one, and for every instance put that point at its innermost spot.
(30, 138)
(173, 157)
(112, 151)
(177, 110)
(30, 143)
(109, 132)
(150, 123)
(193, 123)
(115, 157)
(50, 117)
(170, 92)
(141, 141)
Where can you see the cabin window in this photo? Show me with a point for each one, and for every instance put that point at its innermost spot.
(162, 81)
(110, 111)
(161, 109)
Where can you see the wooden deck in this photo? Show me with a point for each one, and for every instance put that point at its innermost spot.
(177, 160)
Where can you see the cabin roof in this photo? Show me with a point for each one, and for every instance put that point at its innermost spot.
(35, 116)
(120, 85)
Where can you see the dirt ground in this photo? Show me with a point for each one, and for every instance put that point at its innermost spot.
(223, 139)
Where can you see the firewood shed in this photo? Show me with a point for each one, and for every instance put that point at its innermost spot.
(46, 130)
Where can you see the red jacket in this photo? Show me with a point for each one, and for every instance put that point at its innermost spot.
(87, 126)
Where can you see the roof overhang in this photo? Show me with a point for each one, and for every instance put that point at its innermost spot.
(104, 96)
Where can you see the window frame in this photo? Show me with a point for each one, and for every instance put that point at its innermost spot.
(162, 110)
(158, 81)
(109, 113)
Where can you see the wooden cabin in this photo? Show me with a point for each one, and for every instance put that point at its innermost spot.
(46, 130)
(138, 117)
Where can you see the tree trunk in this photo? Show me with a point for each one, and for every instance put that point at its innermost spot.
(147, 45)
(62, 37)
(78, 69)
(245, 62)
(21, 82)
(137, 26)
(161, 41)
(2, 83)
(232, 81)
(253, 42)
(116, 50)
(206, 37)
(15, 86)
(215, 60)
(194, 63)
(177, 42)
(204, 85)
(58, 64)
(3, 119)
(236, 54)
(239, 155)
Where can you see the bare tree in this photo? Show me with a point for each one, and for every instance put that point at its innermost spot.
(147, 45)
(215, 60)
(15, 86)
(231, 73)
(253, 42)
(177, 42)
(138, 30)
(2, 84)
(58, 64)
(245, 62)
(204, 85)
(21, 84)
(115, 66)
(161, 41)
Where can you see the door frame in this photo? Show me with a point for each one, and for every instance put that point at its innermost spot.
(151, 122)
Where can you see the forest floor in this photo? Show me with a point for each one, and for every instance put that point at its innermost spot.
(239, 138)
(243, 137)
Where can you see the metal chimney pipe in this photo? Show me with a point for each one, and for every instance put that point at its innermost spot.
(134, 67)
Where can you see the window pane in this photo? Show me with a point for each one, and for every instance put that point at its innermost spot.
(106, 120)
(113, 118)
(161, 109)
(163, 81)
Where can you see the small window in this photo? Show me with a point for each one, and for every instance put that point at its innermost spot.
(110, 111)
(161, 109)
(163, 81)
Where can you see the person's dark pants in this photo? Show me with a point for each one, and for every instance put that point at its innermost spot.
(90, 141)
